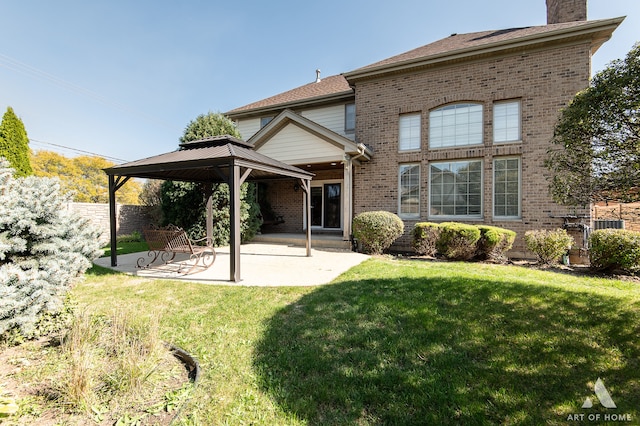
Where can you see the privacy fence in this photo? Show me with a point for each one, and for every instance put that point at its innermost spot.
(629, 213)
(129, 218)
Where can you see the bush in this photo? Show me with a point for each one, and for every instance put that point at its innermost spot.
(548, 245)
(43, 250)
(425, 237)
(611, 249)
(494, 242)
(457, 241)
(377, 230)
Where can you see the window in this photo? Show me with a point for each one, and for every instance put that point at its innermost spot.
(349, 118)
(506, 122)
(456, 189)
(409, 191)
(264, 121)
(409, 132)
(455, 125)
(506, 188)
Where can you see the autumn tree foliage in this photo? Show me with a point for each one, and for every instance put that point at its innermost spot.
(14, 143)
(83, 177)
(597, 138)
(43, 249)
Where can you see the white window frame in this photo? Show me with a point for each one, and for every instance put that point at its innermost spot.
(456, 125)
(519, 190)
(401, 213)
(480, 194)
(265, 120)
(408, 126)
(507, 122)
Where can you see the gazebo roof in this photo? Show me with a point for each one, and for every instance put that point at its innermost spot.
(215, 159)
(208, 160)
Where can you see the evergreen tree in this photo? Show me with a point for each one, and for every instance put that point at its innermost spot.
(43, 249)
(14, 143)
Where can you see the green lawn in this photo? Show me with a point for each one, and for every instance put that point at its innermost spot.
(398, 342)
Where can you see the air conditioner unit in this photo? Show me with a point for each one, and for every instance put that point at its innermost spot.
(609, 224)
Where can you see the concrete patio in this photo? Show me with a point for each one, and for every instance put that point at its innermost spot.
(261, 265)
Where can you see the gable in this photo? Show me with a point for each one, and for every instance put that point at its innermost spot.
(295, 145)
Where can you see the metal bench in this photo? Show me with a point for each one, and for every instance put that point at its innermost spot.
(165, 242)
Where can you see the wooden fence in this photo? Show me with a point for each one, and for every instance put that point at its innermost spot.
(630, 213)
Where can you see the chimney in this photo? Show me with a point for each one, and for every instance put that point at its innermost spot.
(318, 80)
(566, 11)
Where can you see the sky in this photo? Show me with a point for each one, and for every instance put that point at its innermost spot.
(122, 79)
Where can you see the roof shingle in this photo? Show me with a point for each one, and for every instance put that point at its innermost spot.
(333, 85)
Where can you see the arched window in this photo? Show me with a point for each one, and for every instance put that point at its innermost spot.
(455, 125)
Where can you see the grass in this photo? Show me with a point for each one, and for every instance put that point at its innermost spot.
(389, 342)
(397, 342)
(127, 247)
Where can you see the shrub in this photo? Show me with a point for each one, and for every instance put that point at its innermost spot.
(425, 237)
(548, 245)
(611, 249)
(494, 242)
(43, 249)
(377, 230)
(457, 241)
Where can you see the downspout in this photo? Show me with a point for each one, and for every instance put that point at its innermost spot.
(361, 149)
(361, 153)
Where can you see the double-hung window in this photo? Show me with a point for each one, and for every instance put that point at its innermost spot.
(455, 189)
(455, 125)
(409, 132)
(409, 191)
(506, 188)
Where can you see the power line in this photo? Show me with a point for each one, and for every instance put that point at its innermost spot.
(21, 67)
(80, 151)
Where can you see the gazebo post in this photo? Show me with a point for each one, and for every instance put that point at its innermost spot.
(208, 193)
(114, 185)
(306, 185)
(112, 220)
(234, 221)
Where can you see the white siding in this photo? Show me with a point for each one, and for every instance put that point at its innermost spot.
(330, 117)
(292, 145)
(248, 127)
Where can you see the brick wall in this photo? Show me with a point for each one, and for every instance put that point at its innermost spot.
(543, 81)
(129, 218)
(566, 11)
(288, 202)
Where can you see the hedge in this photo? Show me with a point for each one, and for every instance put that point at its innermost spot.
(425, 237)
(457, 241)
(494, 242)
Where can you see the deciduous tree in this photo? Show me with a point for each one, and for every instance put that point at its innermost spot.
(83, 177)
(597, 138)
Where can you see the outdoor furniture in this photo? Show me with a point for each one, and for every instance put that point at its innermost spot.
(165, 242)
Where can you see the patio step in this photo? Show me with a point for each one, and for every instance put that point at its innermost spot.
(317, 240)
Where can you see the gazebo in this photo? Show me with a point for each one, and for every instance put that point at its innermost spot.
(220, 159)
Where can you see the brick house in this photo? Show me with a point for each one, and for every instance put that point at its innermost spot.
(455, 130)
